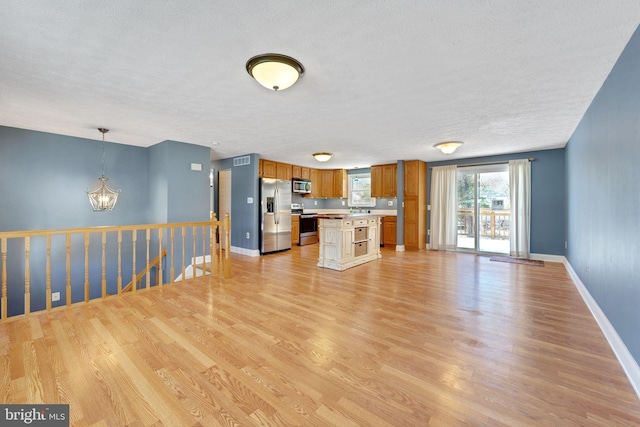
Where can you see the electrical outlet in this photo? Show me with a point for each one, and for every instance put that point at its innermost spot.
(343, 202)
(428, 232)
(565, 244)
(55, 296)
(248, 235)
(389, 202)
(315, 203)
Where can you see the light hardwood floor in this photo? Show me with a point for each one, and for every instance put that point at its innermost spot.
(414, 339)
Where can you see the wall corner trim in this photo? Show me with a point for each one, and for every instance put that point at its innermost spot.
(628, 363)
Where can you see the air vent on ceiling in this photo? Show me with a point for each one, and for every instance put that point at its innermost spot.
(241, 161)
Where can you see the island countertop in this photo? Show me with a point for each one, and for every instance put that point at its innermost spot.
(344, 216)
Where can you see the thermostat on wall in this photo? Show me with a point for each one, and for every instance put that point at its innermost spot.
(196, 166)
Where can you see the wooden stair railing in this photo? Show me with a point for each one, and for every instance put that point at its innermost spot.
(55, 244)
(147, 270)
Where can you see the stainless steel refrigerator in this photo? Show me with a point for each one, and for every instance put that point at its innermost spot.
(275, 215)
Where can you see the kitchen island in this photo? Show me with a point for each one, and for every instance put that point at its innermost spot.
(347, 240)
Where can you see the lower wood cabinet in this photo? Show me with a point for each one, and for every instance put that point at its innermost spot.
(295, 229)
(389, 233)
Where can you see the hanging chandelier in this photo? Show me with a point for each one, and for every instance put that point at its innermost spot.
(103, 198)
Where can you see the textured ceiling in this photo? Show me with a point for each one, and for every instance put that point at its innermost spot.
(385, 80)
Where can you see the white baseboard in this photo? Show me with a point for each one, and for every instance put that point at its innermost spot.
(548, 258)
(244, 251)
(399, 248)
(629, 364)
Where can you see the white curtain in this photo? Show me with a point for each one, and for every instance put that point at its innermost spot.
(444, 208)
(520, 185)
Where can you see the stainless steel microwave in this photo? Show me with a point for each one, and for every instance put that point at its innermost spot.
(301, 186)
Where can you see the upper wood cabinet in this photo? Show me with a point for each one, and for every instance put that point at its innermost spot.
(414, 177)
(384, 180)
(314, 176)
(300, 172)
(326, 183)
(284, 171)
(340, 184)
(269, 169)
(305, 173)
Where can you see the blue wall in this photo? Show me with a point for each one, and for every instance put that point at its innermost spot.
(547, 196)
(45, 177)
(603, 209)
(44, 181)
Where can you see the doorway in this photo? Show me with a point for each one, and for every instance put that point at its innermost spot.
(483, 208)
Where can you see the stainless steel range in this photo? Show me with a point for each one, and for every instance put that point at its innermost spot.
(308, 225)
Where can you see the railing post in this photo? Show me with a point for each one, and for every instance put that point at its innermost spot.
(493, 225)
(68, 288)
(119, 262)
(4, 278)
(148, 279)
(86, 267)
(172, 270)
(104, 264)
(27, 276)
(48, 274)
(159, 266)
(134, 239)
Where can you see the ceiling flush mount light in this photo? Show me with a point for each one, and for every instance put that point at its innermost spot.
(322, 157)
(103, 198)
(449, 146)
(275, 71)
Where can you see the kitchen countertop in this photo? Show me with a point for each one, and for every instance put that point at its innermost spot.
(343, 216)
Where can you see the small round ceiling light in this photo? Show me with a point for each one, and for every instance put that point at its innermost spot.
(322, 157)
(448, 147)
(275, 71)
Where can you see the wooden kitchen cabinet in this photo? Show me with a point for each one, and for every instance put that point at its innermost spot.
(340, 184)
(384, 180)
(314, 177)
(326, 183)
(296, 171)
(269, 169)
(305, 173)
(284, 171)
(295, 229)
(415, 204)
(389, 233)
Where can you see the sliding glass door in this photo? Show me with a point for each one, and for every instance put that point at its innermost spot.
(483, 208)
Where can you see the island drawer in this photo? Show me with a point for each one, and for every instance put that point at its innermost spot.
(360, 248)
(358, 222)
(360, 234)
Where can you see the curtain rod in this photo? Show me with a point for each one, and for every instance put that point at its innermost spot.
(497, 162)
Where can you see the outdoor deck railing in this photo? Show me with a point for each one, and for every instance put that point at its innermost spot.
(494, 224)
(25, 254)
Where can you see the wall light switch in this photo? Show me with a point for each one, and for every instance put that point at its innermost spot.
(248, 235)
(249, 200)
(389, 202)
(343, 202)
